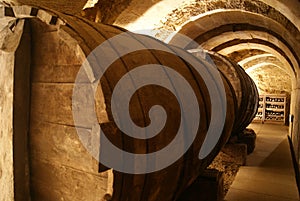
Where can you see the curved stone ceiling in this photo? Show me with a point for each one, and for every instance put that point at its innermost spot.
(174, 13)
(230, 38)
(241, 55)
(263, 58)
(250, 59)
(262, 33)
(217, 18)
(188, 12)
(146, 14)
(268, 72)
(225, 30)
(290, 9)
(220, 21)
(244, 46)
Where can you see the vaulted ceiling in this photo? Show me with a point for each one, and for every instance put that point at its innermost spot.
(263, 36)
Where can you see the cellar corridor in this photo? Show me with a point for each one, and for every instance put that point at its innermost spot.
(138, 100)
(269, 172)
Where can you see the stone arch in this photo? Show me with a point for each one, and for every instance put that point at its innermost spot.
(217, 43)
(175, 13)
(269, 58)
(275, 20)
(220, 29)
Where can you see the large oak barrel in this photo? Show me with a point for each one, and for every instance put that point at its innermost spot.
(65, 6)
(244, 87)
(61, 54)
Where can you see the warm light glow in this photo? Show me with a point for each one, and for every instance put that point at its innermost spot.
(149, 19)
(243, 62)
(261, 65)
(245, 46)
(90, 4)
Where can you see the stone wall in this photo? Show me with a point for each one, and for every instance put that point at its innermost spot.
(14, 111)
(105, 11)
(6, 125)
(271, 80)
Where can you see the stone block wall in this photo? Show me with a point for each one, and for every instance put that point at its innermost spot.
(14, 106)
(6, 121)
(272, 80)
(105, 11)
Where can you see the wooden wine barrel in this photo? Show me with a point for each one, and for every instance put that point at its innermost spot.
(65, 6)
(54, 47)
(244, 87)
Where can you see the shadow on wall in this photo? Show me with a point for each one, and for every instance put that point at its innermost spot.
(295, 163)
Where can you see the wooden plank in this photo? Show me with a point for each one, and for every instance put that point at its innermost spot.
(66, 182)
(135, 182)
(61, 143)
(115, 137)
(57, 52)
(45, 73)
(52, 103)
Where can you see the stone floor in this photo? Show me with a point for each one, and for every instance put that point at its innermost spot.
(269, 173)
